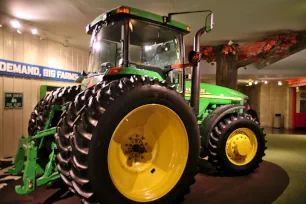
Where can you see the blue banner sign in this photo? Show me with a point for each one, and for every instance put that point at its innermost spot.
(18, 69)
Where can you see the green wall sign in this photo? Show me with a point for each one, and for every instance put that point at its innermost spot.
(13, 100)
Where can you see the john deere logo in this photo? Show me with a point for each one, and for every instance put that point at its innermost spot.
(202, 92)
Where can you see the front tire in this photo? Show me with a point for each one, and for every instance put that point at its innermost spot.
(236, 145)
(136, 141)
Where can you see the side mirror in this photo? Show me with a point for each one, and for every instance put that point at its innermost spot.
(209, 27)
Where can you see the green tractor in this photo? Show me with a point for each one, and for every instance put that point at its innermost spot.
(136, 130)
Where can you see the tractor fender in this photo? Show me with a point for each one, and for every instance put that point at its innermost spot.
(211, 120)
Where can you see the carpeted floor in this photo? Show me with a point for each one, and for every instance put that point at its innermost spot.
(281, 179)
(289, 152)
(264, 186)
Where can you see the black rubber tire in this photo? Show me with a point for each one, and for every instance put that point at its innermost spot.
(94, 127)
(65, 129)
(217, 142)
(41, 112)
(40, 116)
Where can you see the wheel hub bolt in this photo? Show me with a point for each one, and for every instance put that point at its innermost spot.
(138, 148)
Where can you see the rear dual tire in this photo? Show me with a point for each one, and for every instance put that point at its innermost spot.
(64, 131)
(40, 116)
(97, 154)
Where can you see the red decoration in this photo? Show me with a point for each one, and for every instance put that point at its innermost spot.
(208, 54)
(270, 44)
(296, 80)
(274, 48)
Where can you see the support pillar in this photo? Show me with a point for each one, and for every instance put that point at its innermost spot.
(227, 71)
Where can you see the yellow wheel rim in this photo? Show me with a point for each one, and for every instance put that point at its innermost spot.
(148, 153)
(241, 146)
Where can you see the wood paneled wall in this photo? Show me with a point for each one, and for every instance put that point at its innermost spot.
(30, 49)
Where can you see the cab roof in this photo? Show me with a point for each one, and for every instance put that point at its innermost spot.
(126, 11)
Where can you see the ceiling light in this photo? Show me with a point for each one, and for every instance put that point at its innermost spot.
(250, 83)
(256, 82)
(265, 82)
(279, 83)
(0, 26)
(34, 31)
(18, 31)
(15, 24)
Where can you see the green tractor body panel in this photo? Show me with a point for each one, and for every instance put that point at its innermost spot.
(93, 78)
(128, 71)
(212, 96)
(148, 16)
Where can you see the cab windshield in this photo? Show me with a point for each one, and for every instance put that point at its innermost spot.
(105, 47)
(153, 46)
(149, 47)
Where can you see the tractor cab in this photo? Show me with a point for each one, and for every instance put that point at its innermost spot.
(133, 42)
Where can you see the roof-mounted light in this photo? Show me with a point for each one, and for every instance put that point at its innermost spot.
(188, 28)
(123, 10)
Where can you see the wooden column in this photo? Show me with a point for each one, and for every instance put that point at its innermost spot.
(227, 72)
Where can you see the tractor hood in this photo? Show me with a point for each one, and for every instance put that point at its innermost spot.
(217, 91)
